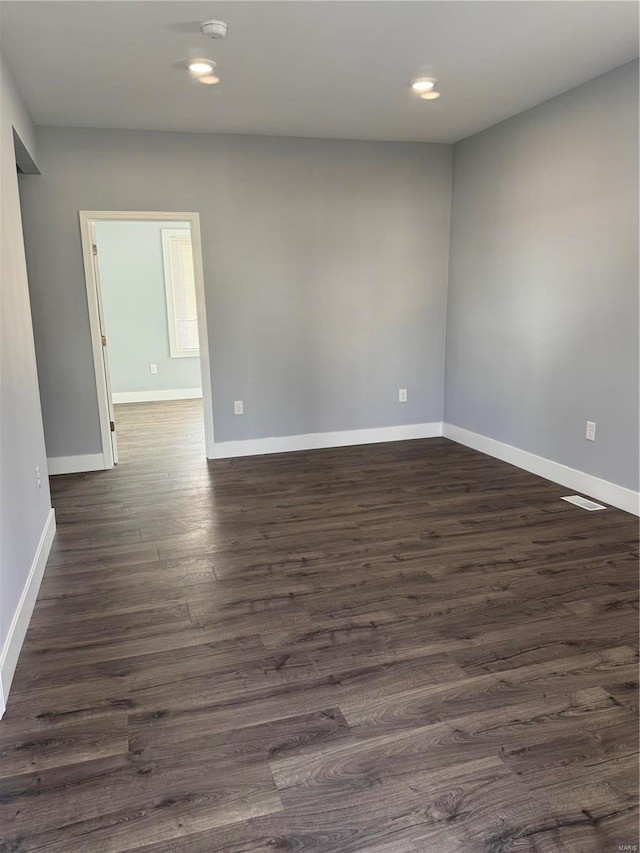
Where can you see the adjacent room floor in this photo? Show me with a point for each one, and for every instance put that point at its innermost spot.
(388, 648)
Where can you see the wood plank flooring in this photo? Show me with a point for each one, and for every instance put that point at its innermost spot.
(399, 648)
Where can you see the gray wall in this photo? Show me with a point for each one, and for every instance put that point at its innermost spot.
(326, 263)
(135, 308)
(325, 270)
(542, 319)
(23, 511)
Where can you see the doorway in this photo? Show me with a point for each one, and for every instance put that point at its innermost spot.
(147, 310)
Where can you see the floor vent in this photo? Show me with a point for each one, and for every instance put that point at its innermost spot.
(584, 503)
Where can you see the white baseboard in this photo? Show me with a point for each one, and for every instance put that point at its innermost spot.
(76, 464)
(315, 440)
(156, 396)
(20, 622)
(578, 481)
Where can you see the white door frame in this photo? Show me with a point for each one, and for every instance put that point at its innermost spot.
(87, 219)
(95, 269)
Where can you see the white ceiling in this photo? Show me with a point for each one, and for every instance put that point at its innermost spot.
(325, 69)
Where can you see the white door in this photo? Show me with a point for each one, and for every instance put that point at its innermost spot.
(105, 355)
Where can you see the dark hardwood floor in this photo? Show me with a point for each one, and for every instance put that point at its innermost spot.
(400, 648)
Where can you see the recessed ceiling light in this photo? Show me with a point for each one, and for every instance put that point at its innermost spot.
(201, 66)
(210, 79)
(430, 96)
(422, 84)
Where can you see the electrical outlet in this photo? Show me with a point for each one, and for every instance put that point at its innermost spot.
(402, 395)
(153, 368)
(238, 407)
(590, 434)
(38, 479)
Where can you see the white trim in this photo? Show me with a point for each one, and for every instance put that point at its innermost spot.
(314, 440)
(87, 217)
(76, 464)
(579, 481)
(156, 396)
(20, 622)
(91, 286)
(203, 337)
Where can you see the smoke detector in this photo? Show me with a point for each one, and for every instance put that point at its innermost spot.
(214, 29)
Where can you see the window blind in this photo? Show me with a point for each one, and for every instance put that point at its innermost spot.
(181, 293)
